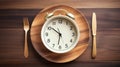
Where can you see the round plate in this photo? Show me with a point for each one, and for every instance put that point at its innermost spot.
(55, 57)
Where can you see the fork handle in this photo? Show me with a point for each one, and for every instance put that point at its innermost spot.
(94, 52)
(26, 46)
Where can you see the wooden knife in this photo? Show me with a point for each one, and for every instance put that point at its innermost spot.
(94, 29)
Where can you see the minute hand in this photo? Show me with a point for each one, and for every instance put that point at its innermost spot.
(59, 36)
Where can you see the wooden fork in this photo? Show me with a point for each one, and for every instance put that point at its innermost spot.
(26, 29)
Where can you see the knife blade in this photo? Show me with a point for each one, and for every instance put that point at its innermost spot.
(94, 29)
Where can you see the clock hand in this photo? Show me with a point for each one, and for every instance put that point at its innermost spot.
(59, 40)
(59, 36)
(55, 30)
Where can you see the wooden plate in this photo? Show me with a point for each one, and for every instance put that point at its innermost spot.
(54, 57)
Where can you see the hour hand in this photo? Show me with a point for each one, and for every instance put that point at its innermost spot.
(55, 30)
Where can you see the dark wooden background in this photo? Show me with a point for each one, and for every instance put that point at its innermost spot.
(12, 34)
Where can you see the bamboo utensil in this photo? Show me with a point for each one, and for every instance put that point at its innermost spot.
(94, 29)
(26, 29)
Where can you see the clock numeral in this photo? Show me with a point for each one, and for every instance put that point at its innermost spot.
(53, 23)
(48, 40)
(59, 47)
(71, 27)
(49, 28)
(66, 45)
(46, 34)
(53, 45)
(71, 40)
(73, 34)
(60, 21)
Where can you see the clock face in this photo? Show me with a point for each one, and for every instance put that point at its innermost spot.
(60, 34)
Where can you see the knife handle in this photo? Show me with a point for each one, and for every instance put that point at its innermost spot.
(94, 52)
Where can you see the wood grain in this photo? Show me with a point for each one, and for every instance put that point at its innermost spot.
(38, 4)
(56, 57)
(12, 40)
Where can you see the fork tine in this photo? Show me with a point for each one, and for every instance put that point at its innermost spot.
(26, 22)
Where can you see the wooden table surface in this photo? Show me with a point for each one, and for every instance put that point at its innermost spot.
(12, 35)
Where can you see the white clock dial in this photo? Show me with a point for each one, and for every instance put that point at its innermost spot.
(60, 34)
